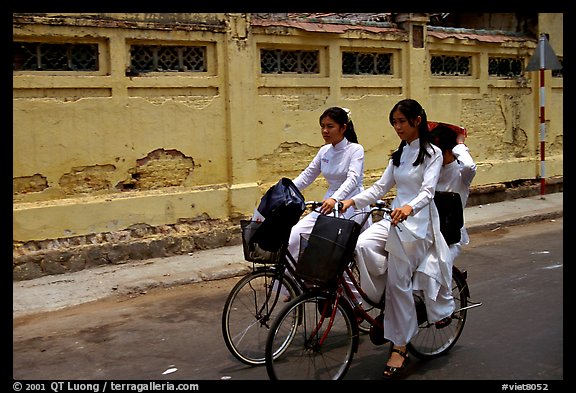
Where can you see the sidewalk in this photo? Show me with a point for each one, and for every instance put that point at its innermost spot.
(55, 292)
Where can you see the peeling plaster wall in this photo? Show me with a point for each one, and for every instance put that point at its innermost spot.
(102, 151)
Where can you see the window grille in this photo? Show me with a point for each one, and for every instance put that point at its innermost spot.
(149, 58)
(361, 63)
(450, 65)
(278, 61)
(505, 67)
(39, 56)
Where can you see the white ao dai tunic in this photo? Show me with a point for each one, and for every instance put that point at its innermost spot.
(342, 166)
(387, 256)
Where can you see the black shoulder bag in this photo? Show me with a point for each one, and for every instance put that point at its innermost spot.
(326, 251)
(449, 207)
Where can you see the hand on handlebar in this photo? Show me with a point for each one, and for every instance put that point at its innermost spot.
(327, 206)
(346, 204)
(400, 214)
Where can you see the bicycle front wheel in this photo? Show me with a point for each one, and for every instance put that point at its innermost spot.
(431, 342)
(323, 343)
(249, 310)
(364, 325)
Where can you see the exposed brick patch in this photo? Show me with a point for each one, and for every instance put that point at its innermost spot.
(26, 184)
(287, 160)
(159, 169)
(87, 179)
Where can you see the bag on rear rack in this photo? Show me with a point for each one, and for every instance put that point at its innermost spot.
(326, 251)
(281, 206)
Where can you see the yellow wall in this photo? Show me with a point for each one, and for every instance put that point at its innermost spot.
(207, 145)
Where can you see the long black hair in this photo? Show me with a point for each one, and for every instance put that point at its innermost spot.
(340, 116)
(412, 109)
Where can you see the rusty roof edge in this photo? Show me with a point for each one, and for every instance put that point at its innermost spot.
(106, 21)
(478, 34)
(313, 24)
(346, 21)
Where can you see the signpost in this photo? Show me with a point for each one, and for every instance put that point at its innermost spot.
(543, 58)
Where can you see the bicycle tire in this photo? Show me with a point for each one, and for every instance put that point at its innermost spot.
(250, 308)
(303, 357)
(431, 342)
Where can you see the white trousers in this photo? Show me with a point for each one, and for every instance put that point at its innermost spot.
(305, 225)
(386, 267)
(443, 306)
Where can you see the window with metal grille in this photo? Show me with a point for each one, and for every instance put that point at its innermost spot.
(505, 66)
(41, 56)
(279, 61)
(559, 73)
(149, 58)
(362, 63)
(450, 65)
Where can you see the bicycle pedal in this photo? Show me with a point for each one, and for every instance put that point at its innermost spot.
(441, 324)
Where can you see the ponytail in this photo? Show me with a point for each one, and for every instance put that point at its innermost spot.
(350, 133)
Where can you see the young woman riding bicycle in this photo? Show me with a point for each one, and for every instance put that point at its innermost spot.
(387, 258)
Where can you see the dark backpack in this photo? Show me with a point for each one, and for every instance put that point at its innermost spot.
(282, 205)
(449, 205)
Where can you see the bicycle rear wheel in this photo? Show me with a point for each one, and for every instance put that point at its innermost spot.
(323, 344)
(431, 342)
(250, 308)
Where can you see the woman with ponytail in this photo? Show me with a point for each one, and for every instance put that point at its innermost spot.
(340, 161)
(389, 252)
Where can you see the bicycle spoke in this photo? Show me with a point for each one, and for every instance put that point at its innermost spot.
(248, 312)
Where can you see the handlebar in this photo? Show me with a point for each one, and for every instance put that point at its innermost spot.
(313, 204)
(379, 205)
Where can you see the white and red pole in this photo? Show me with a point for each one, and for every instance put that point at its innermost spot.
(543, 58)
(542, 119)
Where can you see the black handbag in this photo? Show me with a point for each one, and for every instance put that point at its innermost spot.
(449, 205)
(282, 205)
(325, 252)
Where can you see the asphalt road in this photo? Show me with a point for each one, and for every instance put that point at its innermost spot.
(174, 333)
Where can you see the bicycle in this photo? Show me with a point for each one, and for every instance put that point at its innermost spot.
(253, 302)
(317, 334)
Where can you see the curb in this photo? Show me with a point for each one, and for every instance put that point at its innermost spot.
(515, 221)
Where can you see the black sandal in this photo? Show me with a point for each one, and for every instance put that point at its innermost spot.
(391, 372)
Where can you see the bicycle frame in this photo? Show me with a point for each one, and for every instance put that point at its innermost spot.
(287, 264)
(303, 335)
(345, 286)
